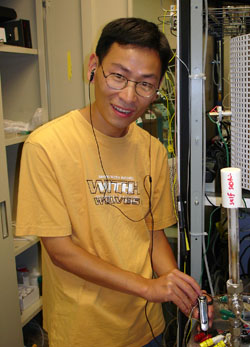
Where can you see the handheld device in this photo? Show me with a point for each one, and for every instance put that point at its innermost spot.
(202, 300)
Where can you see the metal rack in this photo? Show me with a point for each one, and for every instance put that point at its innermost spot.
(229, 21)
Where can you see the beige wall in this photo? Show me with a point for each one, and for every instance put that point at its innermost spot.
(64, 56)
(95, 14)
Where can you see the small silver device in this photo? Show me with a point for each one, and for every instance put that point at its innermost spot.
(203, 312)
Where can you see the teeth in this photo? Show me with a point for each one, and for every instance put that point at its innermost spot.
(121, 110)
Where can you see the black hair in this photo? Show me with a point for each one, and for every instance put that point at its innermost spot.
(137, 32)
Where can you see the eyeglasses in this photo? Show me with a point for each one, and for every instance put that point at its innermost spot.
(117, 81)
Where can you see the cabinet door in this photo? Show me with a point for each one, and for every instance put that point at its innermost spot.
(63, 27)
(10, 321)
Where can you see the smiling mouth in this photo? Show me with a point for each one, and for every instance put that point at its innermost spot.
(121, 111)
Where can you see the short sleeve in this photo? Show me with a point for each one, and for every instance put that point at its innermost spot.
(162, 202)
(41, 210)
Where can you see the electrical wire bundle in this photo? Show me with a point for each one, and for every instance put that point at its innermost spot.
(223, 140)
(169, 17)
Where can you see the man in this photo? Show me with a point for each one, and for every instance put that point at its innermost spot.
(96, 188)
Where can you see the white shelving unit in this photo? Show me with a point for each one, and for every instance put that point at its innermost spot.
(16, 49)
(23, 89)
(21, 244)
(12, 139)
(31, 311)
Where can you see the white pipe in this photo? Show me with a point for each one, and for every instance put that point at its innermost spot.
(233, 244)
(232, 200)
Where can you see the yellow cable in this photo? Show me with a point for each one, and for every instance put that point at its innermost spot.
(163, 28)
(187, 241)
(167, 77)
(171, 150)
(173, 196)
(173, 56)
(190, 329)
(170, 137)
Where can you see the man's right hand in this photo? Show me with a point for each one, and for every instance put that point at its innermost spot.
(174, 286)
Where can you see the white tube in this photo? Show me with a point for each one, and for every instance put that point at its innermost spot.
(233, 244)
(232, 200)
(231, 187)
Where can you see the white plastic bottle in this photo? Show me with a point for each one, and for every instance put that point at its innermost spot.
(34, 277)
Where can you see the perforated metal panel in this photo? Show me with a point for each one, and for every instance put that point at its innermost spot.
(240, 105)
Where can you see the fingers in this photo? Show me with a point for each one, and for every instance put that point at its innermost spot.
(179, 288)
(210, 310)
(179, 298)
(182, 290)
(188, 279)
(210, 315)
(185, 292)
(196, 313)
(189, 287)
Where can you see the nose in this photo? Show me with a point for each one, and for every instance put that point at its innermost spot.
(128, 93)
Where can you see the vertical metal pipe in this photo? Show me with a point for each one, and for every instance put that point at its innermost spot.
(233, 244)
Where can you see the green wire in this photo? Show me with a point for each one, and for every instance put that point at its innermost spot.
(213, 121)
(222, 138)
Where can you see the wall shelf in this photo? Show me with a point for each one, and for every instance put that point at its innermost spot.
(23, 243)
(16, 49)
(31, 312)
(13, 138)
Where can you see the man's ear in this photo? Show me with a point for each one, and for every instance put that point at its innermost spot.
(93, 63)
(156, 97)
(158, 94)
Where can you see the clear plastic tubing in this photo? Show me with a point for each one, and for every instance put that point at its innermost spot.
(233, 244)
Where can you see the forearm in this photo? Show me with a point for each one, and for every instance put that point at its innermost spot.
(172, 285)
(162, 254)
(72, 258)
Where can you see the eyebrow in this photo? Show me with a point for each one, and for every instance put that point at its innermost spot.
(127, 70)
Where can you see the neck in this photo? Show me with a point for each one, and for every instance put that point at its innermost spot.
(91, 114)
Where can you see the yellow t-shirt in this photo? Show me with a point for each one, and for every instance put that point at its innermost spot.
(61, 192)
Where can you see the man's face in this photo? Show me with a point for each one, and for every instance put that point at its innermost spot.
(114, 110)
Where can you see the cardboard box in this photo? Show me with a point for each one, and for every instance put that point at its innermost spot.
(27, 295)
(2, 35)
